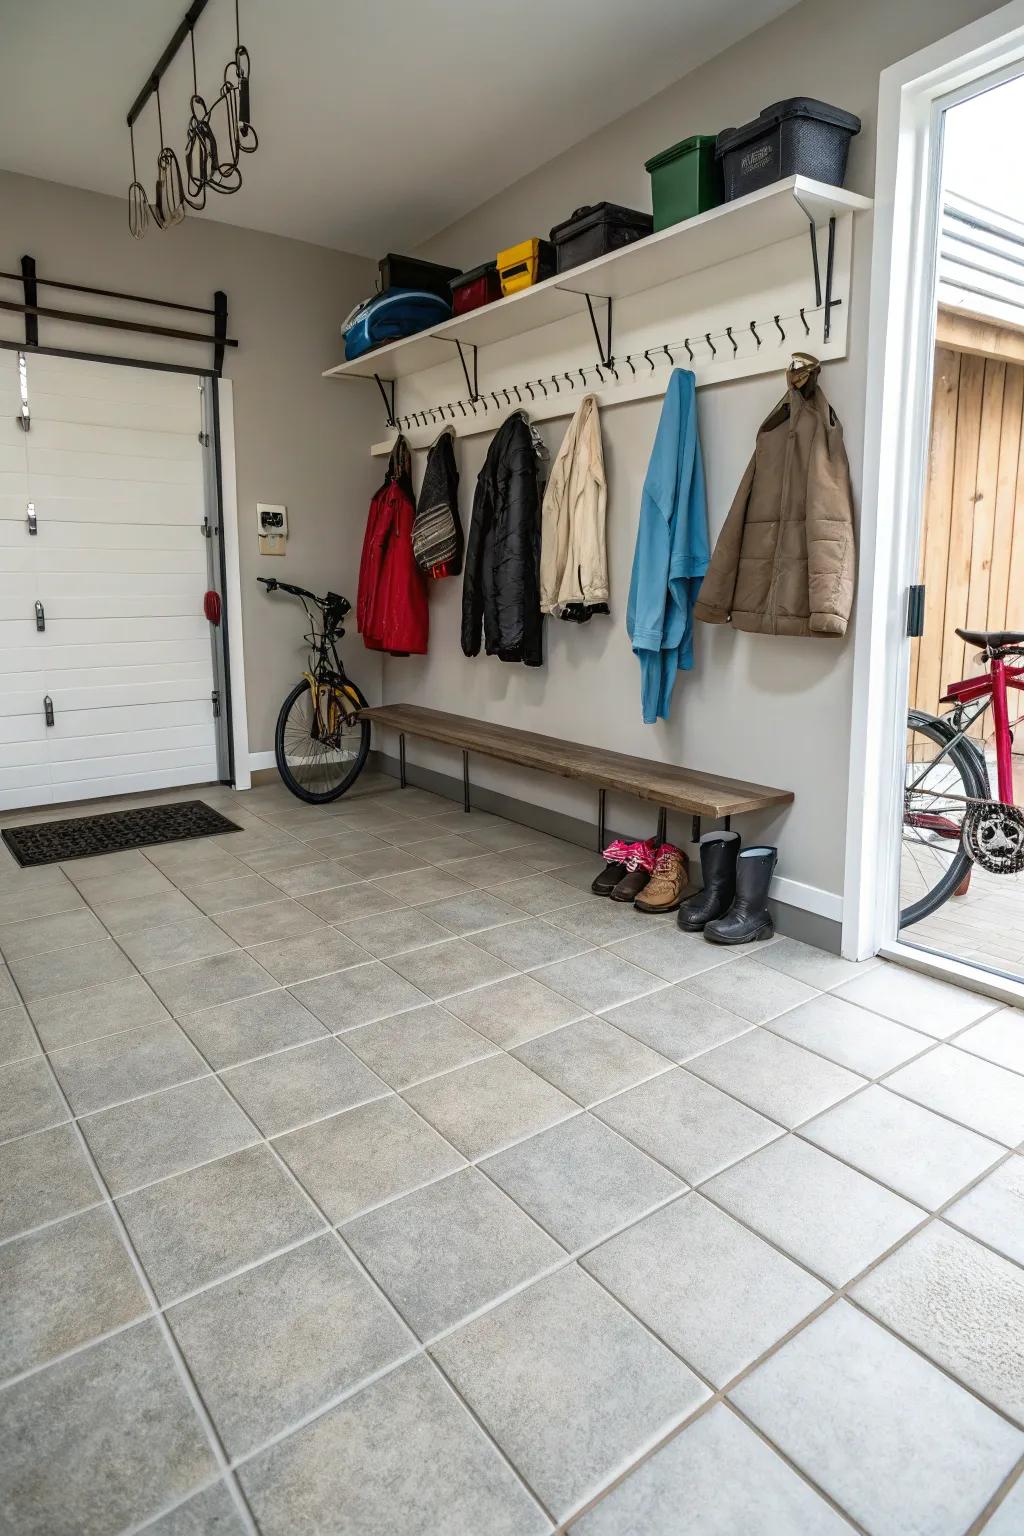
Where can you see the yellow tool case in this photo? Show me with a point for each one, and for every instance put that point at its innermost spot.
(522, 265)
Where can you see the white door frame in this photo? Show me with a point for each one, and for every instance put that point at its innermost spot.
(233, 584)
(912, 96)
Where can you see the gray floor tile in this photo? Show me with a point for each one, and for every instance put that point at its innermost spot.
(708, 1287)
(304, 1083)
(29, 1098)
(271, 1345)
(247, 890)
(831, 1218)
(537, 893)
(717, 1478)
(106, 1009)
(591, 1060)
(440, 970)
(344, 905)
(961, 1305)
(251, 1026)
(421, 886)
(62, 1286)
(994, 1210)
(500, 836)
(687, 1124)
(780, 1079)
(423, 1042)
(602, 921)
(676, 1023)
(205, 983)
(816, 967)
(164, 944)
(42, 1177)
(66, 970)
(166, 1133)
(402, 1455)
(509, 1012)
(201, 1225)
(468, 914)
(22, 900)
(446, 848)
(358, 995)
(270, 861)
(920, 1155)
(570, 1386)
(978, 1094)
(579, 874)
(131, 885)
(999, 1038)
(669, 953)
(318, 954)
(365, 1156)
(8, 991)
(934, 1007)
(38, 935)
(483, 869)
(750, 989)
(448, 1250)
(391, 933)
(210, 1513)
(529, 942)
(581, 1181)
(854, 1037)
(270, 922)
(138, 1445)
(597, 980)
(125, 1066)
(489, 1104)
(1008, 1519)
(323, 875)
(17, 1037)
(124, 917)
(889, 1437)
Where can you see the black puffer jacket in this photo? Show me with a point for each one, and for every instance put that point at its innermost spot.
(501, 583)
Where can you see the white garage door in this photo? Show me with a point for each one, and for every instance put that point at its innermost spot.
(113, 468)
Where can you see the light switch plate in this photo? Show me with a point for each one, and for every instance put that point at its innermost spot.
(272, 522)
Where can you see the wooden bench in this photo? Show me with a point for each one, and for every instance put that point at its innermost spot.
(665, 785)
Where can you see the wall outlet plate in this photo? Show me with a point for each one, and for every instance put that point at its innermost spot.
(272, 522)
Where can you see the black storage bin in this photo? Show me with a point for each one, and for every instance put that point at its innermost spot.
(421, 276)
(796, 137)
(594, 231)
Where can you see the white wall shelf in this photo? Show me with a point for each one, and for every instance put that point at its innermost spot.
(780, 212)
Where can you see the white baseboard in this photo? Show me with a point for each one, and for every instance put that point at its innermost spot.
(810, 898)
(259, 760)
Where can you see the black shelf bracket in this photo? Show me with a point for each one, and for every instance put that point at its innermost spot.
(388, 398)
(472, 384)
(220, 330)
(28, 279)
(604, 348)
(830, 302)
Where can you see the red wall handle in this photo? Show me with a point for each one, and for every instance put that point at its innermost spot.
(211, 607)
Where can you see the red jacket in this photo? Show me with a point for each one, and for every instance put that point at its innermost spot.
(391, 608)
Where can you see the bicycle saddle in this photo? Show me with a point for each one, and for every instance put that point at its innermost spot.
(993, 639)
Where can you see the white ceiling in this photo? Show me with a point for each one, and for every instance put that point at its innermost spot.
(380, 121)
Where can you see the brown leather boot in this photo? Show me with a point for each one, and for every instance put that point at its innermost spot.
(664, 890)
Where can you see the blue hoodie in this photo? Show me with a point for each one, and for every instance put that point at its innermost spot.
(671, 552)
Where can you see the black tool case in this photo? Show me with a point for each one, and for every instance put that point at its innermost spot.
(594, 231)
(796, 137)
(420, 276)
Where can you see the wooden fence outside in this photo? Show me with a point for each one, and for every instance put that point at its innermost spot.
(972, 556)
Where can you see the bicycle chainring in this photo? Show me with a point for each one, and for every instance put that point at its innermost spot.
(993, 837)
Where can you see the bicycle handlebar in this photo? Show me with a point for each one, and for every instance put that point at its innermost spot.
(273, 585)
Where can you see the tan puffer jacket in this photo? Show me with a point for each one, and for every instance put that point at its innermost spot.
(784, 560)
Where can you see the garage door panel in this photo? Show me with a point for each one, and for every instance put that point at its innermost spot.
(22, 729)
(126, 746)
(138, 596)
(125, 631)
(81, 465)
(117, 718)
(12, 456)
(11, 433)
(83, 769)
(102, 381)
(109, 542)
(24, 784)
(72, 662)
(71, 500)
(142, 415)
(68, 697)
(130, 443)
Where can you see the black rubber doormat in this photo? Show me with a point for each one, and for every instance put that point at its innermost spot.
(52, 842)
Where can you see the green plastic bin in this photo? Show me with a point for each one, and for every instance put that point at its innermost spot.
(685, 180)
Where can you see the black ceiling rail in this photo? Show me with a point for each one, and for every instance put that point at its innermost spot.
(109, 357)
(111, 322)
(182, 31)
(111, 293)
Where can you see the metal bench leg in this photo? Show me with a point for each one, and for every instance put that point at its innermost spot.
(695, 830)
(662, 825)
(401, 759)
(602, 796)
(465, 781)
(726, 823)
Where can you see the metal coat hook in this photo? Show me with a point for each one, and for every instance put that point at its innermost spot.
(554, 380)
(707, 338)
(615, 371)
(753, 332)
(632, 370)
(461, 407)
(647, 354)
(473, 406)
(483, 402)
(518, 395)
(807, 329)
(668, 354)
(529, 388)
(778, 327)
(495, 399)
(728, 332)
(599, 372)
(540, 386)
(569, 380)
(583, 378)
(508, 397)
(689, 349)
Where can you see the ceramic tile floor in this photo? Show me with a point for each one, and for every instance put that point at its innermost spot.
(361, 1173)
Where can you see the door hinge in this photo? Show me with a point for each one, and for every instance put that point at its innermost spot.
(25, 419)
(204, 438)
(48, 709)
(30, 518)
(205, 529)
(215, 701)
(915, 612)
(40, 615)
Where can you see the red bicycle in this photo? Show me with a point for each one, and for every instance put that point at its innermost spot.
(951, 820)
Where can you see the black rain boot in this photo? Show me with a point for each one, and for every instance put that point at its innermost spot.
(748, 918)
(718, 854)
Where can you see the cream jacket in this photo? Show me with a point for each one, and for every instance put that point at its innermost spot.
(573, 556)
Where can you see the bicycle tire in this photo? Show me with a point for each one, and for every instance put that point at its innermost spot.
(298, 789)
(971, 766)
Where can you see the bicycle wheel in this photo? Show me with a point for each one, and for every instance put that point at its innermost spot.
(314, 766)
(940, 780)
